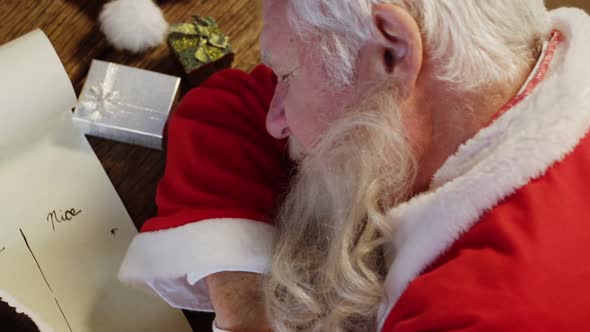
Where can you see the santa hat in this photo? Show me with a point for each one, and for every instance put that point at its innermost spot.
(133, 25)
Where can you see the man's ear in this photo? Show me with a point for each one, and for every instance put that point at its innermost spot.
(395, 52)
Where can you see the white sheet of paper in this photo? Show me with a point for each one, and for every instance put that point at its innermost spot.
(63, 229)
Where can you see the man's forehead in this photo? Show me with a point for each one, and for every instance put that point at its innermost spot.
(277, 36)
(277, 55)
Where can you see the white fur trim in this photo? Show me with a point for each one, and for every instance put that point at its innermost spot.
(518, 147)
(41, 325)
(133, 25)
(175, 262)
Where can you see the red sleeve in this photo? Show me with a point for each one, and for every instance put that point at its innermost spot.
(221, 162)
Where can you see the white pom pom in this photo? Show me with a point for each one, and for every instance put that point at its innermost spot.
(133, 25)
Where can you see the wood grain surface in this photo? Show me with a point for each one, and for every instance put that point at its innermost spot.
(72, 27)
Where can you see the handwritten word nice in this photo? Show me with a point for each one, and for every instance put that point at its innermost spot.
(53, 217)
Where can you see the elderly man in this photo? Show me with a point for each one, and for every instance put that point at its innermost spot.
(441, 157)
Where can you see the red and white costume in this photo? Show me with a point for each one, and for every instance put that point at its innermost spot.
(500, 242)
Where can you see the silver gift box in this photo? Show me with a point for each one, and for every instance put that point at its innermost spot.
(125, 104)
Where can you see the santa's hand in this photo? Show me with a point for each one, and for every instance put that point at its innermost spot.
(238, 301)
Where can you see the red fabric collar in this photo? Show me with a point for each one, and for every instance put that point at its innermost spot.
(549, 54)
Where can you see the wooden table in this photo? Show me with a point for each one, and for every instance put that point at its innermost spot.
(72, 27)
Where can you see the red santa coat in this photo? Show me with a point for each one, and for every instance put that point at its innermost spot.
(498, 243)
(501, 241)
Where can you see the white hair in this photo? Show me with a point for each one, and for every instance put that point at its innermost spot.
(473, 43)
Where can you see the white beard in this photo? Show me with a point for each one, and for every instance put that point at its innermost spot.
(326, 269)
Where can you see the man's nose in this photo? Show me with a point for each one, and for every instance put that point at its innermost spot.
(276, 120)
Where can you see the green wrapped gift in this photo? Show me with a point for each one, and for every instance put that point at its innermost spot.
(200, 47)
